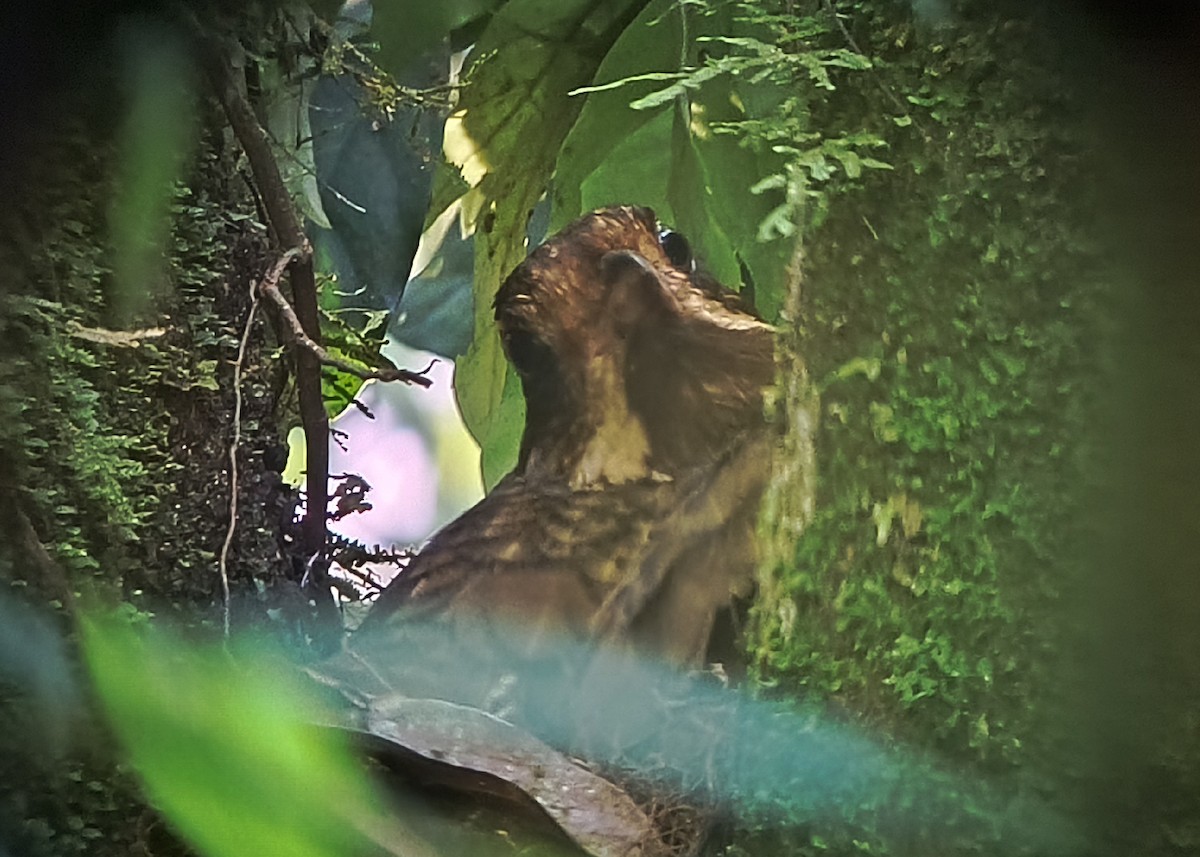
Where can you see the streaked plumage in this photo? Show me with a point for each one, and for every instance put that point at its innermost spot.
(630, 514)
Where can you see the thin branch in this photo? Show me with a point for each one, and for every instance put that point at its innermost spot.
(270, 288)
(285, 223)
(302, 314)
(117, 338)
(223, 559)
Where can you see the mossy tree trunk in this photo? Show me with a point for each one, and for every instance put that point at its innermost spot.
(963, 320)
(118, 403)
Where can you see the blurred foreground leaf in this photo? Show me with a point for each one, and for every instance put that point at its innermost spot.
(34, 665)
(223, 752)
(155, 141)
(418, 692)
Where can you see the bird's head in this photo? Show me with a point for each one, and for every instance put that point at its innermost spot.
(633, 361)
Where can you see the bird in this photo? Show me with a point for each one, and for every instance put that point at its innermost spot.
(580, 598)
(628, 519)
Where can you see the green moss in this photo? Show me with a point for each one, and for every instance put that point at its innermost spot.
(953, 324)
(114, 456)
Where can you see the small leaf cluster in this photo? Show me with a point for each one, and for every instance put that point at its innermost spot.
(349, 334)
(782, 65)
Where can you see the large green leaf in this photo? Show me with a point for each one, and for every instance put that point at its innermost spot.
(490, 392)
(693, 199)
(222, 751)
(505, 137)
(647, 171)
(728, 171)
(598, 153)
(375, 180)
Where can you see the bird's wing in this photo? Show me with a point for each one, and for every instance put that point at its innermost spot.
(541, 553)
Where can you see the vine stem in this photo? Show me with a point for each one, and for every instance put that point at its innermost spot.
(223, 559)
(789, 503)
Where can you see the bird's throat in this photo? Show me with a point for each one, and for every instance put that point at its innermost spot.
(618, 449)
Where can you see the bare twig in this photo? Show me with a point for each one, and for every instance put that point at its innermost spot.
(302, 314)
(285, 223)
(223, 559)
(270, 288)
(117, 338)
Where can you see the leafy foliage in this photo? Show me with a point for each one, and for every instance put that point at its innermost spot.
(375, 143)
(360, 343)
(671, 152)
(225, 753)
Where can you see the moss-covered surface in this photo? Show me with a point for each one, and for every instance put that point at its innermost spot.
(957, 324)
(119, 441)
(114, 485)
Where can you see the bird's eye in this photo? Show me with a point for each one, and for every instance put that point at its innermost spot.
(678, 251)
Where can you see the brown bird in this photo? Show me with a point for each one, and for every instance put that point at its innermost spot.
(630, 514)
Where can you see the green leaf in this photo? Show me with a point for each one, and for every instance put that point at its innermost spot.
(778, 181)
(777, 224)
(356, 337)
(814, 161)
(649, 50)
(692, 82)
(868, 367)
(843, 58)
(638, 168)
(735, 198)
(154, 141)
(851, 163)
(287, 121)
(489, 391)
(221, 750)
(693, 199)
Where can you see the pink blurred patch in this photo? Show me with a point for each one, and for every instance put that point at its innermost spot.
(395, 460)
